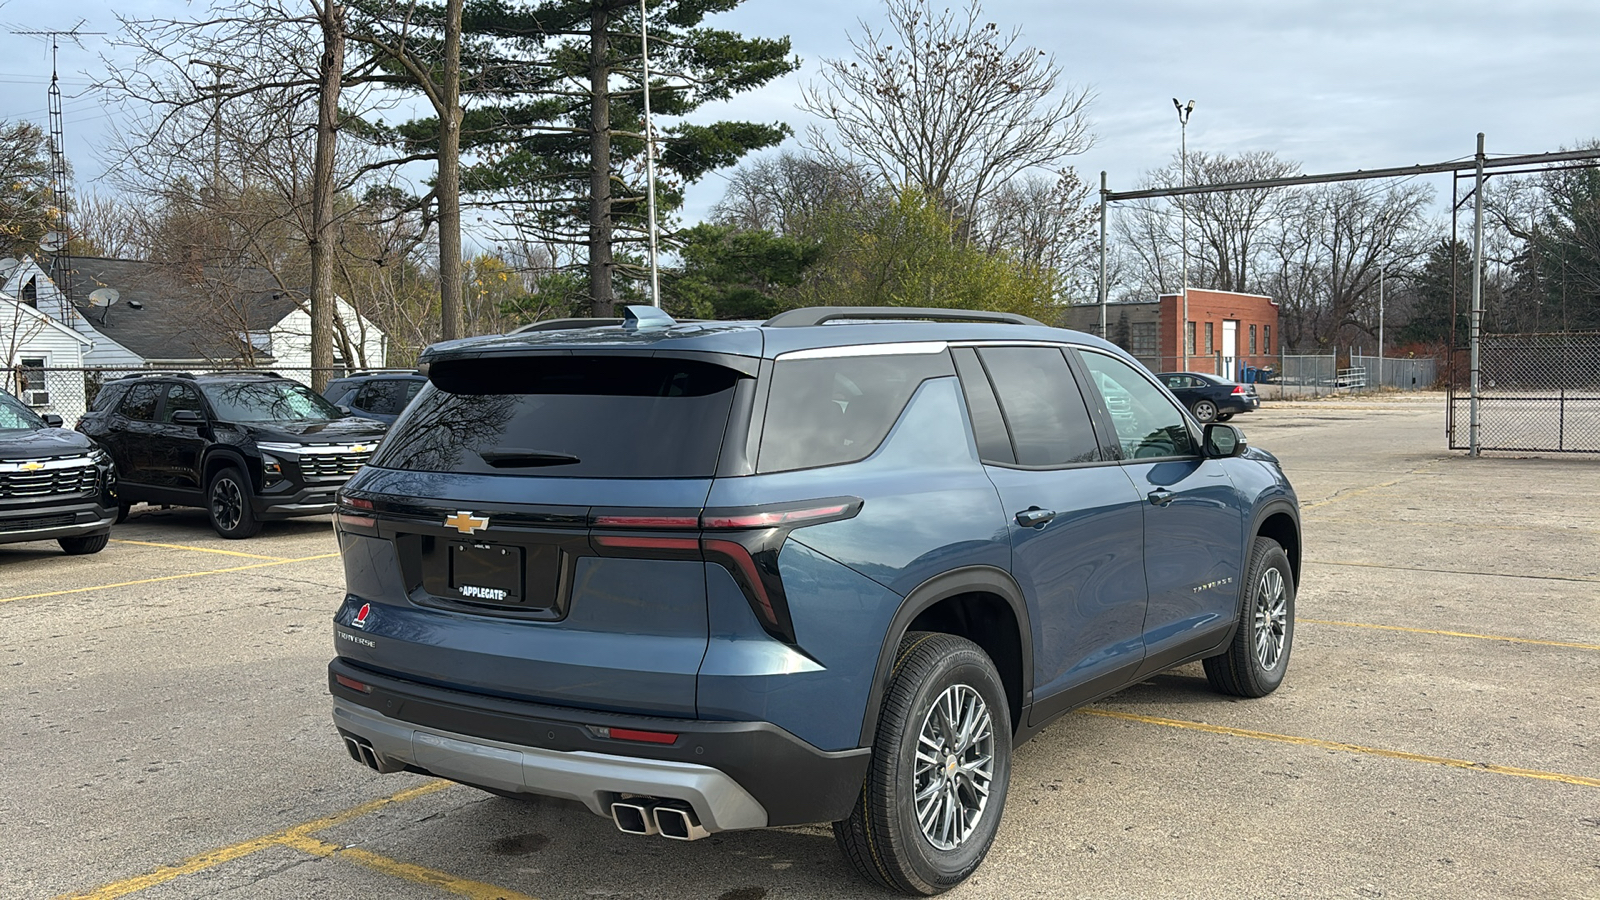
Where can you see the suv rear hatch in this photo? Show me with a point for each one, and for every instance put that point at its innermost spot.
(520, 532)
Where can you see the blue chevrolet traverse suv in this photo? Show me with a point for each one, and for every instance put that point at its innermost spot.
(832, 567)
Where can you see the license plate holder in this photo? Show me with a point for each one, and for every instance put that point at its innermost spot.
(487, 573)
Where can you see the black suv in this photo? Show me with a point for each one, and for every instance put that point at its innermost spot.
(246, 447)
(375, 395)
(54, 484)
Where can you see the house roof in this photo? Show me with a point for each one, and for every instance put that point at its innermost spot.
(169, 312)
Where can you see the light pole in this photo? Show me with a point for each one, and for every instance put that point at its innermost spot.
(1183, 213)
(1382, 272)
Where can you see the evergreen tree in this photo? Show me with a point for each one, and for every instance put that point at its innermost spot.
(1430, 317)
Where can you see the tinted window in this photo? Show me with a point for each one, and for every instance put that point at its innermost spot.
(107, 397)
(16, 417)
(994, 442)
(181, 397)
(824, 412)
(140, 404)
(386, 397)
(569, 416)
(267, 401)
(1147, 423)
(1042, 404)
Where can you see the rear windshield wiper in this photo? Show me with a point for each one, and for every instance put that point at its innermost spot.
(517, 458)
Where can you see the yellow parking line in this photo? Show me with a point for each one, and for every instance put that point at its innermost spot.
(286, 837)
(464, 887)
(102, 587)
(198, 549)
(1582, 579)
(1348, 748)
(1462, 634)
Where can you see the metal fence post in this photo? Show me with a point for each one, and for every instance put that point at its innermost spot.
(1477, 293)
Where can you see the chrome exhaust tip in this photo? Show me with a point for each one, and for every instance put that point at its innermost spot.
(679, 823)
(634, 817)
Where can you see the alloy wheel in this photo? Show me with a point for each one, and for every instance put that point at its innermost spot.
(227, 503)
(955, 766)
(1271, 618)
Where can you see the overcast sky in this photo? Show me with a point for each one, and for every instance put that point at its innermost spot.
(1333, 85)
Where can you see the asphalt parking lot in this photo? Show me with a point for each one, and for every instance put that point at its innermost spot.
(165, 729)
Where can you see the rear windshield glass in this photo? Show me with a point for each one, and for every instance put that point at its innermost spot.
(824, 412)
(566, 416)
(267, 401)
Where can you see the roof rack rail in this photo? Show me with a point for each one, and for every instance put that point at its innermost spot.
(818, 315)
(154, 373)
(563, 324)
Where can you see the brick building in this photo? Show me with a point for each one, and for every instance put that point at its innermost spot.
(1227, 330)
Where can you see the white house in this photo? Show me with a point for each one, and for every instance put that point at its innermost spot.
(43, 360)
(174, 318)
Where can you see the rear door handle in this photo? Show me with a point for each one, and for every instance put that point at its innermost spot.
(1034, 517)
(1161, 497)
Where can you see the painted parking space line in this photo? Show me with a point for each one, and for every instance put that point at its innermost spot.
(1579, 579)
(1344, 747)
(161, 578)
(213, 858)
(1460, 634)
(462, 887)
(198, 549)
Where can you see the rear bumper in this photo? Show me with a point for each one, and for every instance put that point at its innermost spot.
(736, 775)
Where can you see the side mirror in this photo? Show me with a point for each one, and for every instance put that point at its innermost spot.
(346, 410)
(1223, 441)
(53, 420)
(188, 417)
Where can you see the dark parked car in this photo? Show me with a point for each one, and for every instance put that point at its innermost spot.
(739, 575)
(247, 448)
(55, 485)
(1210, 398)
(375, 395)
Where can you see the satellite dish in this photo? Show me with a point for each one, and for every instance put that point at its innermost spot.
(9, 263)
(103, 297)
(52, 241)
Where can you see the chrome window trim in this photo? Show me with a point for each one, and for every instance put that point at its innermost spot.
(906, 348)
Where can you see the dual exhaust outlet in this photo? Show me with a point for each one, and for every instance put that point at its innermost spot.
(360, 750)
(673, 819)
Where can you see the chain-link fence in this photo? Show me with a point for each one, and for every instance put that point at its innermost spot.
(69, 392)
(1536, 393)
(1405, 374)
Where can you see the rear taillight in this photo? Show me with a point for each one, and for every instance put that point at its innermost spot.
(1238, 390)
(350, 510)
(744, 540)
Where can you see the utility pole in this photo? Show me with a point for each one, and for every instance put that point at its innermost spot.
(1183, 210)
(1104, 288)
(215, 88)
(1382, 271)
(59, 184)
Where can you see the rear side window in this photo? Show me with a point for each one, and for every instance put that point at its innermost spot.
(140, 403)
(386, 397)
(838, 409)
(566, 416)
(107, 397)
(1043, 407)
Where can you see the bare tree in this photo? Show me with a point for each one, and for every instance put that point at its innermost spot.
(1047, 224)
(790, 193)
(945, 102)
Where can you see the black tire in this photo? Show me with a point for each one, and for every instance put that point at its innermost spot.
(1204, 411)
(228, 504)
(122, 511)
(85, 545)
(1223, 417)
(883, 838)
(1249, 668)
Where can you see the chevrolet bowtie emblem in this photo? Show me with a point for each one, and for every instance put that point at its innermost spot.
(31, 466)
(467, 523)
(360, 448)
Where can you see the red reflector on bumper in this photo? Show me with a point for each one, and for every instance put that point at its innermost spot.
(646, 737)
(353, 684)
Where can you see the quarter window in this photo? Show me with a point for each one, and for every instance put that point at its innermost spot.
(1048, 420)
(1148, 425)
(181, 397)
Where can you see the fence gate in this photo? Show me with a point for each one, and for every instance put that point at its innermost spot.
(1536, 392)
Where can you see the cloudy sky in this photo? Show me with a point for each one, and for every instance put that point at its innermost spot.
(1333, 85)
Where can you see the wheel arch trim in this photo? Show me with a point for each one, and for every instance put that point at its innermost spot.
(972, 579)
